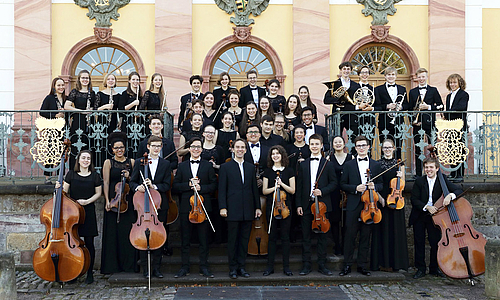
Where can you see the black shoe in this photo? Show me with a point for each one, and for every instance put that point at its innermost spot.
(419, 274)
(233, 274)
(182, 272)
(364, 271)
(167, 251)
(145, 273)
(243, 273)
(268, 272)
(324, 270)
(157, 273)
(206, 273)
(287, 272)
(305, 270)
(437, 273)
(90, 278)
(345, 271)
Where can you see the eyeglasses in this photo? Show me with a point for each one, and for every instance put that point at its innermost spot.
(279, 122)
(119, 148)
(195, 147)
(253, 132)
(364, 73)
(156, 146)
(209, 132)
(387, 148)
(362, 146)
(307, 115)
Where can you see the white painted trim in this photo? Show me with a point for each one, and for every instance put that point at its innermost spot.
(404, 2)
(491, 4)
(287, 2)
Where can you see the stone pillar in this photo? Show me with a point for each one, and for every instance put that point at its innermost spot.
(7, 276)
(492, 274)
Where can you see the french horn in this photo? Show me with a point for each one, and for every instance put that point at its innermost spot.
(364, 96)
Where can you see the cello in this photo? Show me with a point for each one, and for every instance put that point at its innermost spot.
(370, 214)
(395, 200)
(173, 210)
(259, 239)
(461, 248)
(61, 255)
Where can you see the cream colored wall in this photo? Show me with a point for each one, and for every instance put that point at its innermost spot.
(491, 63)
(135, 25)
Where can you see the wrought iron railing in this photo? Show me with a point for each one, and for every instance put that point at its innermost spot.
(18, 135)
(481, 136)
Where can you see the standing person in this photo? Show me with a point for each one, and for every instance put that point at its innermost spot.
(118, 254)
(239, 203)
(354, 183)
(312, 183)
(158, 178)
(198, 107)
(226, 134)
(154, 97)
(53, 101)
(268, 138)
(130, 99)
(80, 98)
(211, 152)
(234, 98)
(277, 101)
(391, 97)
(293, 112)
(430, 100)
(389, 250)
(196, 130)
(307, 121)
(305, 100)
(188, 99)
(257, 153)
(251, 92)
(107, 100)
(84, 185)
(279, 128)
(210, 112)
(368, 120)
(338, 159)
(457, 100)
(265, 107)
(278, 174)
(426, 191)
(194, 174)
(250, 116)
(222, 92)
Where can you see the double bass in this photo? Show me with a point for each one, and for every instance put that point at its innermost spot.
(61, 255)
(259, 239)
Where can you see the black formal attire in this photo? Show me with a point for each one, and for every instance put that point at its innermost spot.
(366, 120)
(186, 125)
(282, 224)
(208, 184)
(349, 121)
(292, 121)
(167, 149)
(318, 129)
(243, 125)
(112, 119)
(51, 102)
(247, 95)
(337, 211)
(389, 245)
(83, 187)
(150, 101)
(217, 153)
(240, 196)
(272, 140)
(128, 120)
(351, 178)
(426, 121)
(188, 135)
(327, 183)
(223, 139)
(421, 220)
(460, 103)
(161, 180)
(276, 101)
(214, 119)
(237, 117)
(262, 160)
(188, 98)
(219, 95)
(118, 254)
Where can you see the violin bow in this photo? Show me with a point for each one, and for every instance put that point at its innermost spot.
(175, 151)
(147, 191)
(198, 195)
(380, 174)
(272, 207)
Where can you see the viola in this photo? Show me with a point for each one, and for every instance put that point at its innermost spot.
(259, 239)
(119, 203)
(197, 213)
(395, 200)
(173, 210)
(370, 214)
(320, 223)
(148, 232)
(61, 255)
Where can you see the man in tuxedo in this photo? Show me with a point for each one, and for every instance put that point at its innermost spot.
(354, 183)
(349, 121)
(391, 97)
(307, 121)
(200, 175)
(187, 100)
(367, 89)
(251, 92)
(426, 191)
(158, 178)
(239, 203)
(430, 100)
(268, 138)
(309, 173)
(257, 153)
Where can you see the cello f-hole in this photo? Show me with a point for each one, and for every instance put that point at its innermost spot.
(470, 230)
(154, 219)
(47, 238)
(447, 238)
(69, 240)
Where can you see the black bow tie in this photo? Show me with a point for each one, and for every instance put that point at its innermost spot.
(314, 158)
(391, 85)
(365, 84)
(422, 87)
(254, 145)
(195, 161)
(309, 127)
(253, 88)
(361, 159)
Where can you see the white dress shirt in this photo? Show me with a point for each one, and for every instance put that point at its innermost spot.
(309, 132)
(393, 92)
(242, 171)
(255, 152)
(255, 95)
(363, 165)
(314, 171)
(452, 97)
(153, 165)
(345, 82)
(194, 167)
(431, 182)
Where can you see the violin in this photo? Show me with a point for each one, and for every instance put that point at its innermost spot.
(119, 203)
(259, 238)
(395, 200)
(173, 210)
(189, 111)
(320, 223)
(232, 152)
(148, 232)
(61, 255)
(370, 214)
(280, 210)
(197, 213)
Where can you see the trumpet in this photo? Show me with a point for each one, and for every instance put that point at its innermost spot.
(398, 107)
(419, 101)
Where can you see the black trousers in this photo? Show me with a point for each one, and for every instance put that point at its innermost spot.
(284, 234)
(433, 235)
(353, 226)
(306, 222)
(238, 234)
(202, 229)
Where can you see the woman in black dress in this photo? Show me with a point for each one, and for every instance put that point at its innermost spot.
(210, 111)
(80, 98)
(305, 100)
(292, 112)
(234, 99)
(219, 93)
(298, 150)
(53, 101)
(130, 99)
(389, 246)
(196, 122)
(84, 185)
(265, 107)
(339, 157)
(277, 101)
(277, 162)
(279, 128)
(153, 98)
(212, 152)
(226, 134)
(107, 99)
(118, 254)
(250, 117)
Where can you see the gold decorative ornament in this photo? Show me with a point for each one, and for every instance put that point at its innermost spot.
(450, 148)
(49, 147)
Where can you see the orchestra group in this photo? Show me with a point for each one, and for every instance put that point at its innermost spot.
(255, 156)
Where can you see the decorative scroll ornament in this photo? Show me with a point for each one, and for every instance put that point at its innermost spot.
(450, 148)
(242, 10)
(49, 147)
(379, 9)
(102, 10)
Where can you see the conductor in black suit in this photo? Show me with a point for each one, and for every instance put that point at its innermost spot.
(239, 203)
(251, 92)
(354, 183)
(307, 121)
(426, 191)
(430, 100)
(199, 174)
(159, 174)
(187, 100)
(308, 174)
